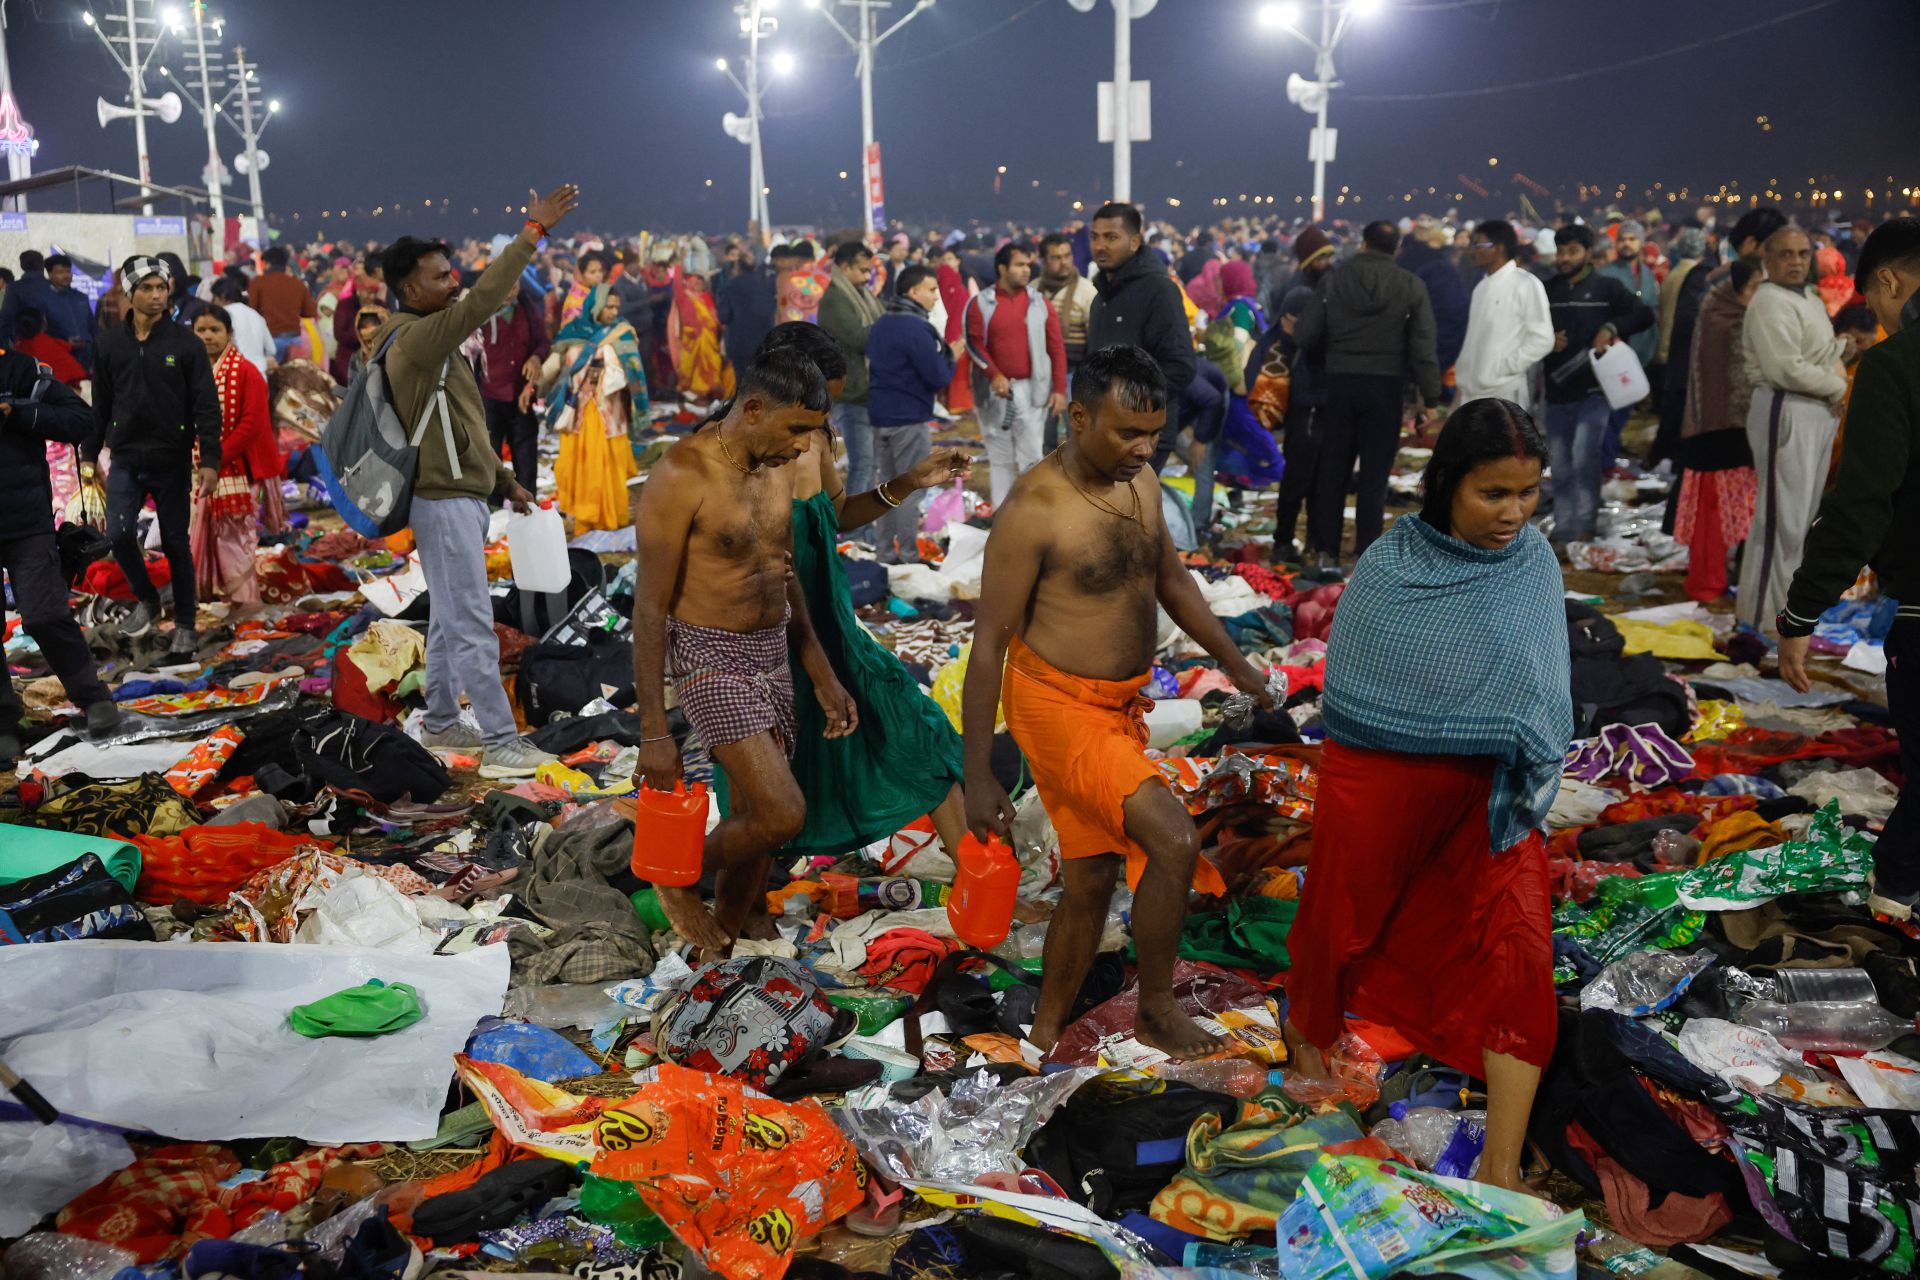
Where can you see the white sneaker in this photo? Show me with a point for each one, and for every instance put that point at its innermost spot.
(516, 759)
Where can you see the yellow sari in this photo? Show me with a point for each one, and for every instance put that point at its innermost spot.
(596, 459)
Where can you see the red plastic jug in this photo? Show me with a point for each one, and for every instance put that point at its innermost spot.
(669, 834)
(984, 889)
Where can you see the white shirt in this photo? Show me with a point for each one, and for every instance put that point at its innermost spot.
(1789, 344)
(250, 336)
(1509, 330)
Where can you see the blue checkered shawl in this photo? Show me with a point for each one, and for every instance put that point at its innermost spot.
(1441, 648)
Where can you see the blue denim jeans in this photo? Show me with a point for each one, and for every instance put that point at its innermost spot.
(1576, 433)
(856, 430)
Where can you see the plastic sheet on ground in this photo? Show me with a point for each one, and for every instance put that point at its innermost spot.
(1831, 857)
(193, 1041)
(42, 1166)
(955, 1137)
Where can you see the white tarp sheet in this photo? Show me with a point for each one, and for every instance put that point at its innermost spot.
(191, 1039)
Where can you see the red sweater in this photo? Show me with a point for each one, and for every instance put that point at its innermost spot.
(56, 355)
(247, 434)
(1004, 342)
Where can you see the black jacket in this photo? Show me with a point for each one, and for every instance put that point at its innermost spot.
(1140, 304)
(61, 415)
(150, 399)
(1580, 308)
(746, 303)
(1447, 293)
(1373, 317)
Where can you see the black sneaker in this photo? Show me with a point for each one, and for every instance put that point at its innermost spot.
(186, 643)
(140, 621)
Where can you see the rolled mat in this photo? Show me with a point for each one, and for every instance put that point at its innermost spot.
(30, 851)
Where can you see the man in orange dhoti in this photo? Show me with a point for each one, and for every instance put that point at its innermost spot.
(1076, 562)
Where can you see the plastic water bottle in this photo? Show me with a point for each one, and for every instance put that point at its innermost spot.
(1234, 1076)
(1827, 1026)
(985, 887)
(537, 546)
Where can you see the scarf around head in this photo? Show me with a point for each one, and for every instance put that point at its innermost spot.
(1205, 289)
(1442, 648)
(618, 337)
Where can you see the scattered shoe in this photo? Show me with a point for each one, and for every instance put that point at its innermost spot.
(140, 621)
(103, 717)
(457, 736)
(515, 759)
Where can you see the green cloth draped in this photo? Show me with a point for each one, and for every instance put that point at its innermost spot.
(592, 335)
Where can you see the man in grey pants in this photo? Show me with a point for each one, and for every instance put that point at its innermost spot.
(908, 365)
(458, 473)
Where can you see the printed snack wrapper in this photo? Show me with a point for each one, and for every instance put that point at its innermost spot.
(1360, 1219)
(737, 1176)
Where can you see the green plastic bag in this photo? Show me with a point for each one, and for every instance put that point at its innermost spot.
(1631, 914)
(371, 1010)
(1831, 856)
(613, 1203)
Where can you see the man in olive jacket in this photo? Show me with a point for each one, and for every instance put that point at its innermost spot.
(1374, 321)
(429, 381)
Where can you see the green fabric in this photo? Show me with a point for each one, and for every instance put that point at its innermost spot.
(902, 760)
(370, 1010)
(1250, 934)
(1240, 1179)
(26, 852)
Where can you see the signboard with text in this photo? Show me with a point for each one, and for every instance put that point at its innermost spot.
(876, 190)
(13, 222)
(159, 226)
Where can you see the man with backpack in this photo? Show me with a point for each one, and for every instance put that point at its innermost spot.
(428, 382)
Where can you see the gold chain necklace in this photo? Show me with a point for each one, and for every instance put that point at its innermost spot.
(1101, 503)
(721, 436)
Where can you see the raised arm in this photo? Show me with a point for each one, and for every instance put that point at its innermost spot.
(1183, 602)
(662, 526)
(1016, 548)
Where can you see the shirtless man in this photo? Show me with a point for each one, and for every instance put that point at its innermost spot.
(716, 609)
(1077, 559)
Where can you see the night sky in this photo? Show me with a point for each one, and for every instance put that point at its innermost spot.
(402, 101)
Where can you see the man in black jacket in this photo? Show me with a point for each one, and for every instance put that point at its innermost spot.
(1375, 322)
(1136, 303)
(1589, 311)
(153, 395)
(746, 305)
(34, 408)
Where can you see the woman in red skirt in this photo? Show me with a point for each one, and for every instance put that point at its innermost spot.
(1448, 715)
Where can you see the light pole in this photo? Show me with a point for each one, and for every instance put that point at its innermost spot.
(244, 94)
(216, 172)
(863, 45)
(1311, 95)
(136, 29)
(1120, 91)
(755, 26)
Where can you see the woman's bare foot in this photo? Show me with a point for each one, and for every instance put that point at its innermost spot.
(1172, 1032)
(1304, 1058)
(1510, 1180)
(690, 918)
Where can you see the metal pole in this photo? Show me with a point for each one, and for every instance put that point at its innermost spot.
(1122, 100)
(136, 78)
(253, 150)
(866, 112)
(1323, 68)
(213, 145)
(757, 181)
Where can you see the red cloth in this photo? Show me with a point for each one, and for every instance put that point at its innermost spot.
(1408, 921)
(1003, 341)
(1313, 612)
(205, 864)
(1707, 548)
(104, 578)
(1672, 800)
(1678, 1219)
(56, 355)
(351, 694)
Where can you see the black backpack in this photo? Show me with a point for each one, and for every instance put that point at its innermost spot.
(80, 900)
(1114, 1146)
(335, 749)
(562, 678)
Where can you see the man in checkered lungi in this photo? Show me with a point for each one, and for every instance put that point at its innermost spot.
(716, 610)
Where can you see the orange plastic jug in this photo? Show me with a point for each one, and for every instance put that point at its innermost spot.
(984, 889)
(669, 834)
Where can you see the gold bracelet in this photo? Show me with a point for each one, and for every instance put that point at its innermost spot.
(880, 491)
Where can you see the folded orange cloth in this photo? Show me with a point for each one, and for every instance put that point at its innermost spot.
(1085, 743)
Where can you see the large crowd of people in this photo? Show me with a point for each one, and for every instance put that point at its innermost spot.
(744, 409)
